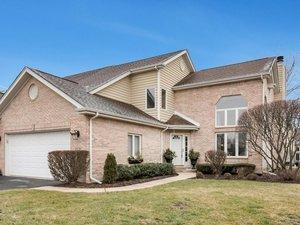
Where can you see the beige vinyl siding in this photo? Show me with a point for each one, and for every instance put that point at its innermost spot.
(169, 76)
(119, 91)
(139, 84)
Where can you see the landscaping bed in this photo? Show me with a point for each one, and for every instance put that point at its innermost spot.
(117, 184)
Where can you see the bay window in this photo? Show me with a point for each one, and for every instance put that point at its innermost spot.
(134, 145)
(229, 109)
(232, 143)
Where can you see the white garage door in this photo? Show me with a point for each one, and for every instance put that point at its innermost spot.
(26, 154)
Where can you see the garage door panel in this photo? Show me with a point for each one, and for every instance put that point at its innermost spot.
(26, 154)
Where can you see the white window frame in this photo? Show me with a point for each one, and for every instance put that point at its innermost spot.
(146, 98)
(133, 144)
(236, 145)
(225, 114)
(162, 99)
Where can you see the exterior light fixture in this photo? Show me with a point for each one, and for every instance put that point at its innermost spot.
(75, 134)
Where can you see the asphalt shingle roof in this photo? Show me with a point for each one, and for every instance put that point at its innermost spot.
(239, 70)
(95, 102)
(96, 78)
(177, 120)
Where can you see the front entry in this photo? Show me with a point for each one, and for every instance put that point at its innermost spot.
(179, 144)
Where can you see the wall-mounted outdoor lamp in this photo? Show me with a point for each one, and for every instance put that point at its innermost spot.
(75, 134)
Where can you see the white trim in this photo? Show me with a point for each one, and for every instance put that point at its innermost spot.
(23, 73)
(158, 95)
(225, 114)
(177, 56)
(126, 119)
(216, 82)
(236, 145)
(187, 118)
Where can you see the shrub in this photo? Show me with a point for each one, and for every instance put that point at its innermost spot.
(199, 175)
(193, 156)
(68, 166)
(227, 176)
(288, 175)
(169, 155)
(145, 170)
(204, 168)
(251, 176)
(245, 169)
(216, 159)
(110, 169)
(133, 160)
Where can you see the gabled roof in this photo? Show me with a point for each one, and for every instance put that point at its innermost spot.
(93, 79)
(96, 103)
(181, 121)
(234, 72)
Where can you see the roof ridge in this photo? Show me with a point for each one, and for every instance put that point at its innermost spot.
(233, 64)
(63, 78)
(122, 64)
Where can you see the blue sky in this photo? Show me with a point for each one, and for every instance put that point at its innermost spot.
(66, 37)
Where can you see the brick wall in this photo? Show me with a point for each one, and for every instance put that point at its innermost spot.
(199, 104)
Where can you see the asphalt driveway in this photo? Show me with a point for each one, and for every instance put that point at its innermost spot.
(7, 183)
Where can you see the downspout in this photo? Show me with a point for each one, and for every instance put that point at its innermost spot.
(161, 142)
(91, 149)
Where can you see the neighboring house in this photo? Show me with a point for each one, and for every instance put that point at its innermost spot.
(141, 107)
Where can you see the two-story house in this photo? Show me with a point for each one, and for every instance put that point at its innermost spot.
(136, 108)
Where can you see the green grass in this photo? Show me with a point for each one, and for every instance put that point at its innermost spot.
(185, 202)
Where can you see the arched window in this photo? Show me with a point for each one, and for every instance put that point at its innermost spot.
(229, 109)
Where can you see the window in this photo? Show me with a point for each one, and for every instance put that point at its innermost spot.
(229, 109)
(33, 92)
(232, 143)
(163, 98)
(150, 98)
(134, 145)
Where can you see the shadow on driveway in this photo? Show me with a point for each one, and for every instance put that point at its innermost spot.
(7, 183)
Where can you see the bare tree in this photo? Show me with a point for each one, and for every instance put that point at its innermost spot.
(272, 130)
(292, 84)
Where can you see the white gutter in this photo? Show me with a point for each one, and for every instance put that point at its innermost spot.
(91, 149)
(216, 82)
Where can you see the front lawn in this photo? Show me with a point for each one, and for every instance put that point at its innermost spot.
(185, 202)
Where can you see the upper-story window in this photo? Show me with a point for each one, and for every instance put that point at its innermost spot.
(229, 109)
(163, 98)
(150, 98)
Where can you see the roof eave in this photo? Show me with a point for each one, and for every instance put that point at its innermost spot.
(87, 111)
(218, 82)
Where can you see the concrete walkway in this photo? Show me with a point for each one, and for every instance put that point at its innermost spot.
(181, 176)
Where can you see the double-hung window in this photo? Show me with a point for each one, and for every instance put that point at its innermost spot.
(134, 145)
(234, 144)
(229, 109)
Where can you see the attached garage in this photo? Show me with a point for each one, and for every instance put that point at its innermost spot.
(26, 154)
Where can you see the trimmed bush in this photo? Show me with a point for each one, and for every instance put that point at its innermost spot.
(204, 168)
(199, 175)
(145, 170)
(233, 169)
(227, 176)
(110, 169)
(68, 166)
(251, 176)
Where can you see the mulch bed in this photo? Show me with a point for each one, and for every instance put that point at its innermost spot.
(117, 184)
(259, 179)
